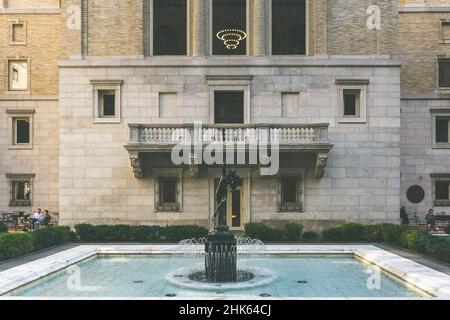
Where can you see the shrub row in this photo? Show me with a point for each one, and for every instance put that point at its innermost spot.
(407, 237)
(16, 244)
(126, 233)
(290, 232)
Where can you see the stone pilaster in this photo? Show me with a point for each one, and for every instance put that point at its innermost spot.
(321, 26)
(259, 28)
(198, 28)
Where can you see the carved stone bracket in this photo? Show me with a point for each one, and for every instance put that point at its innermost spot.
(137, 164)
(320, 165)
(194, 167)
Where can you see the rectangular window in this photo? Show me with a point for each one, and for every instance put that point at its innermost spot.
(18, 33)
(442, 129)
(444, 73)
(229, 27)
(288, 27)
(18, 75)
(21, 131)
(351, 103)
(290, 194)
(441, 190)
(169, 27)
(21, 187)
(107, 103)
(168, 194)
(229, 107)
(445, 31)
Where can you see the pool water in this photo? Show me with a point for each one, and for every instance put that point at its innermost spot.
(144, 276)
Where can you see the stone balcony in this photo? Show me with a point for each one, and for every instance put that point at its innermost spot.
(151, 139)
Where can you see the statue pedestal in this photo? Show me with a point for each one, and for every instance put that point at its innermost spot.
(220, 257)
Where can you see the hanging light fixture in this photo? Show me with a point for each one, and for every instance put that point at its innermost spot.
(231, 37)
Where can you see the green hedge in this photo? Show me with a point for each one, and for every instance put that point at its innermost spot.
(16, 244)
(126, 233)
(3, 227)
(403, 236)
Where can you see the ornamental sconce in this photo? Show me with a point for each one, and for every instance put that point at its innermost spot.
(231, 37)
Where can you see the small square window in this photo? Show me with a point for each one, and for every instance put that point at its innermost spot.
(107, 103)
(352, 103)
(18, 33)
(22, 131)
(444, 73)
(168, 193)
(18, 75)
(21, 190)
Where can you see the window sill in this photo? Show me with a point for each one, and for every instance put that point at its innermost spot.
(20, 147)
(20, 205)
(18, 43)
(107, 120)
(18, 92)
(442, 203)
(352, 121)
(441, 146)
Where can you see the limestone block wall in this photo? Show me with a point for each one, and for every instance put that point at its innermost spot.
(42, 160)
(419, 159)
(42, 51)
(362, 181)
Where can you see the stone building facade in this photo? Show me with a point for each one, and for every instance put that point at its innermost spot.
(425, 156)
(328, 82)
(29, 139)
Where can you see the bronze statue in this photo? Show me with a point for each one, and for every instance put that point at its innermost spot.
(231, 179)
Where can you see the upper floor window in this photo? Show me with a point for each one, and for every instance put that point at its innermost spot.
(229, 27)
(229, 107)
(169, 27)
(18, 75)
(352, 100)
(18, 33)
(442, 129)
(107, 101)
(444, 73)
(288, 27)
(445, 31)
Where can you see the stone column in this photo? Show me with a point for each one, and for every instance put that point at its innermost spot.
(259, 28)
(198, 28)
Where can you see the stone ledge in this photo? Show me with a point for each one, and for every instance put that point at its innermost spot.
(217, 62)
(423, 278)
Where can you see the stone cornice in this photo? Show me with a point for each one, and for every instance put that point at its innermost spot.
(232, 62)
(30, 11)
(411, 9)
